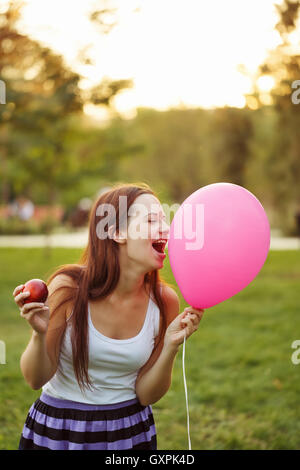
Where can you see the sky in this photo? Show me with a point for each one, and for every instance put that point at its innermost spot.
(177, 52)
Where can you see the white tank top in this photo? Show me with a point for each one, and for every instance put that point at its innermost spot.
(113, 363)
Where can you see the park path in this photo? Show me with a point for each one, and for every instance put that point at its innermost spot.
(67, 240)
(79, 240)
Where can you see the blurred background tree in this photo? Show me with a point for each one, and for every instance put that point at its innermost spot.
(282, 123)
(52, 152)
(42, 119)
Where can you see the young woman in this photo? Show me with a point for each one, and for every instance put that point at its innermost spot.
(104, 343)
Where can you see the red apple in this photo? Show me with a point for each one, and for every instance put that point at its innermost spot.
(38, 291)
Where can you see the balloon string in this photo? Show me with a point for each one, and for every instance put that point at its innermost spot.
(186, 396)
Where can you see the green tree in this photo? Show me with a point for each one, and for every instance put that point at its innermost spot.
(172, 154)
(37, 123)
(230, 136)
(283, 161)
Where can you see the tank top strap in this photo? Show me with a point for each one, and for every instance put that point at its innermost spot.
(155, 312)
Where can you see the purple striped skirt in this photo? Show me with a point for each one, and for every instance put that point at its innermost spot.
(55, 424)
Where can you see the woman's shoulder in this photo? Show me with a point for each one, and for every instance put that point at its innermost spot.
(61, 280)
(58, 288)
(171, 300)
(168, 292)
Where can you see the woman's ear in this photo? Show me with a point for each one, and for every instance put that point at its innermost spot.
(117, 235)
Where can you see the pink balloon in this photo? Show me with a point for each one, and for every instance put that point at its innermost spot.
(219, 241)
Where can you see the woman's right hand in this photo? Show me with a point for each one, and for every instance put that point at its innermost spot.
(36, 313)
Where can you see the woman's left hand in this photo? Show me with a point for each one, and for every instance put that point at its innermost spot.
(184, 324)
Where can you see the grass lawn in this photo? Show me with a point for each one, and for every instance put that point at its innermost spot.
(243, 388)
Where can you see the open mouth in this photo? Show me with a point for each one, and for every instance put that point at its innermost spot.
(159, 245)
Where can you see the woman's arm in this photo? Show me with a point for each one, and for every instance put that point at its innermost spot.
(39, 362)
(155, 377)
(36, 366)
(155, 383)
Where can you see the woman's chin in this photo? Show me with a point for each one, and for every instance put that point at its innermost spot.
(159, 257)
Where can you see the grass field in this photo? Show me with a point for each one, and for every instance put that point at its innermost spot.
(243, 388)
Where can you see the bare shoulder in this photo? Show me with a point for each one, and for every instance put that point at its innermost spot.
(57, 293)
(169, 294)
(61, 280)
(171, 301)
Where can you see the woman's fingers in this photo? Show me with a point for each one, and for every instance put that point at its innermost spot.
(31, 313)
(18, 289)
(194, 311)
(194, 318)
(30, 306)
(19, 299)
(190, 322)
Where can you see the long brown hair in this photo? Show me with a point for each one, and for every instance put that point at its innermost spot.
(97, 273)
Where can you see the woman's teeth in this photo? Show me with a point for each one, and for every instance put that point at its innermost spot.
(159, 246)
